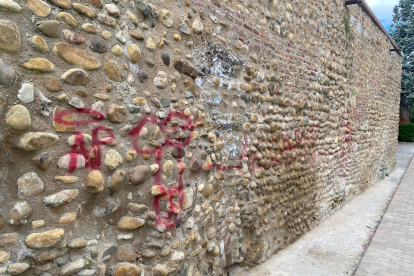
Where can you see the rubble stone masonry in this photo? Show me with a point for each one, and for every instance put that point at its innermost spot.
(180, 137)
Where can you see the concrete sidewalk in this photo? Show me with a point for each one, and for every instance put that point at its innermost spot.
(337, 245)
(391, 251)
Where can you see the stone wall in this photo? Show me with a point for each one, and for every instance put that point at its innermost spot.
(179, 137)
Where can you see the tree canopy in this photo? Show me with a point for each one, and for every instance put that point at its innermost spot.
(402, 30)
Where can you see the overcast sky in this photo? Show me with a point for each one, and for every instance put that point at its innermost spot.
(383, 10)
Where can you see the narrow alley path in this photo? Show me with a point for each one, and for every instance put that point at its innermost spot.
(337, 245)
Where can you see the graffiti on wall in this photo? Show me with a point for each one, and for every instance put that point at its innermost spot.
(178, 131)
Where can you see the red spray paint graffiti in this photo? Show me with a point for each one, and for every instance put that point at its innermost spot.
(171, 141)
(178, 131)
(93, 158)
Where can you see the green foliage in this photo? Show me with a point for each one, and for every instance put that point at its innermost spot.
(338, 27)
(402, 30)
(406, 133)
(347, 22)
(412, 114)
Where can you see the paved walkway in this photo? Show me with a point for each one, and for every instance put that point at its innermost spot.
(391, 251)
(336, 247)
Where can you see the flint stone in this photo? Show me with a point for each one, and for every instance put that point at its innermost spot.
(66, 179)
(39, 44)
(161, 80)
(64, 4)
(211, 246)
(4, 257)
(77, 243)
(138, 174)
(208, 190)
(72, 267)
(134, 53)
(67, 18)
(211, 233)
(60, 198)
(117, 114)
(107, 20)
(29, 185)
(7, 74)
(185, 68)
(127, 269)
(143, 8)
(10, 39)
(132, 108)
(130, 223)
(85, 138)
(99, 47)
(83, 10)
(177, 256)
(165, 251)
(112, 9)
(166, 59)
(214, 18)
(89, 28)
(97, 3)
(69, 120)
(36, 140)
(113, 159)
(188, 199)
(94, 182)
(10, 5)
(117, 50)
(20, 213)
(18, 118)
(46, 257)
(9, 239)
(72, 37)
(116, 179)
(167, 18)
(142, 75)
(160, 270)
(65, 160)
(113, 71)
(136, 34)
(151, 44)
(39, 64)
(87, 272)
(43, 160)
(75, 76)
(67, 218)
(39, 7)
(184, 25)
(165, 102)
(49, 28)
(45, 239)
(178, 152)
(76, 102)
(18, 268)
(197, 26)
(137, 209)
(76, 56)
(26, 93)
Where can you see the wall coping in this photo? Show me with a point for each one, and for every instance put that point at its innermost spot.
(374, 18)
